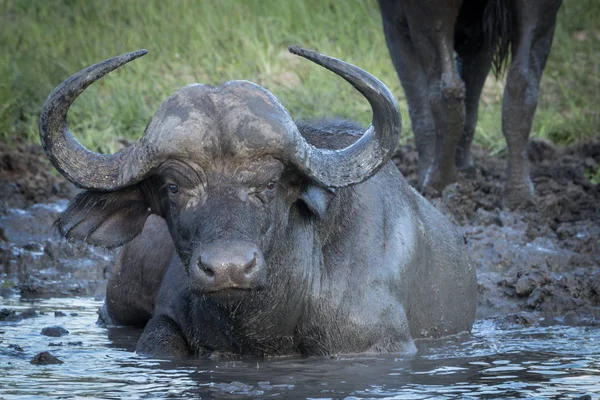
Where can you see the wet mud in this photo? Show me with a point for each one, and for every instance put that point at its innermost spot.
(539, 264)
(34, 261)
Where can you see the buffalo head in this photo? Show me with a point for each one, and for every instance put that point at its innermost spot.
(225, 166)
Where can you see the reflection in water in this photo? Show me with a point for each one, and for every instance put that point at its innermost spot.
(548, 362)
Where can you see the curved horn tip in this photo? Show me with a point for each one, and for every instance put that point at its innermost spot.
(138, 53)
(295, 49)
(313, 56)
(127, 57)
(300, 51)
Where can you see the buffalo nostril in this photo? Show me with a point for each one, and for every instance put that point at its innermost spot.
(250, 265)
(206, 269)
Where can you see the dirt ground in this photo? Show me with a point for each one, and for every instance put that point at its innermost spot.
(539, 264)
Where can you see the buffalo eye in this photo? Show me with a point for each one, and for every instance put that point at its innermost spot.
(173, 189)
(266, 192)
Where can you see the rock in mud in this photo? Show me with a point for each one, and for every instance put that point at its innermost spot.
(584, 397)
(45, 358)
(54, 331)
(9, 315)
(29, 313)
(15, 347)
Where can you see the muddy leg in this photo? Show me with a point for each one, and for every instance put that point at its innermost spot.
(532, 40)
(431, 26)
(473, 69)
(162, 338)
(413, 79)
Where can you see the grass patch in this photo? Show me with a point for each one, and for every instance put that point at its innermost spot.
(43, 42)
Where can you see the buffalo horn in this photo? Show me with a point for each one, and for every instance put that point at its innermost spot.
(87, 169)
(362, 159)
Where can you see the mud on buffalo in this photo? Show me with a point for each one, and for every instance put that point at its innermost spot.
(245, 231)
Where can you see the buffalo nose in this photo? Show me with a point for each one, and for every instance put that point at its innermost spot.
(214, 264)
(230, 264)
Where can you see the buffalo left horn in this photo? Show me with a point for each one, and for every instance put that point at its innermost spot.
(362, 159)
(87, 169)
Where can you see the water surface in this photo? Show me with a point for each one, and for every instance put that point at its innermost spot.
(493, 362)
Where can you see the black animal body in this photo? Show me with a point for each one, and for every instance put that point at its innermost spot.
(244, 231)
(443, 93)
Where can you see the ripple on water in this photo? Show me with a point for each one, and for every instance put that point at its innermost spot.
(516, 362)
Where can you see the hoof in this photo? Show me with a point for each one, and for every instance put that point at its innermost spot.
(464, 163)
(517, 196)
(437, 179)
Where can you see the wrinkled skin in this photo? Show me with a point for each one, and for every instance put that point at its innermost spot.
(443, 95)
(365, 269)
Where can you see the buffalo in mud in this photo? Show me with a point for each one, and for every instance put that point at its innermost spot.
(246, 232)
(443, 95)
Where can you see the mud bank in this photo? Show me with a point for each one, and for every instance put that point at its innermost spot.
(34, 261)
(538, 264)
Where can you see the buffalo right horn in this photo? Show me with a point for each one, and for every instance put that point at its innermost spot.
(362, 159)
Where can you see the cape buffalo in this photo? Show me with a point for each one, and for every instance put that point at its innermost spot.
(246, 232)
(443, 97)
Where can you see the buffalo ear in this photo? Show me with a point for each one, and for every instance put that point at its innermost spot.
(107, 219)
(317, 199)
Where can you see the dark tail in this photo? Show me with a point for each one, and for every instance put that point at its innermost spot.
(497, 27)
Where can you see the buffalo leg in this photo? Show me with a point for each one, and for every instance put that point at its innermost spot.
(163, 338)
(473, 68)
(431, 26)
(533, 31)
(413, 79)
(137, 275)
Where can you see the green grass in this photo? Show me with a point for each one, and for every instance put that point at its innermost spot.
(43, 42)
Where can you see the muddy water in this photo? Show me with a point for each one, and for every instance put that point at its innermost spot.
(495, 361)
